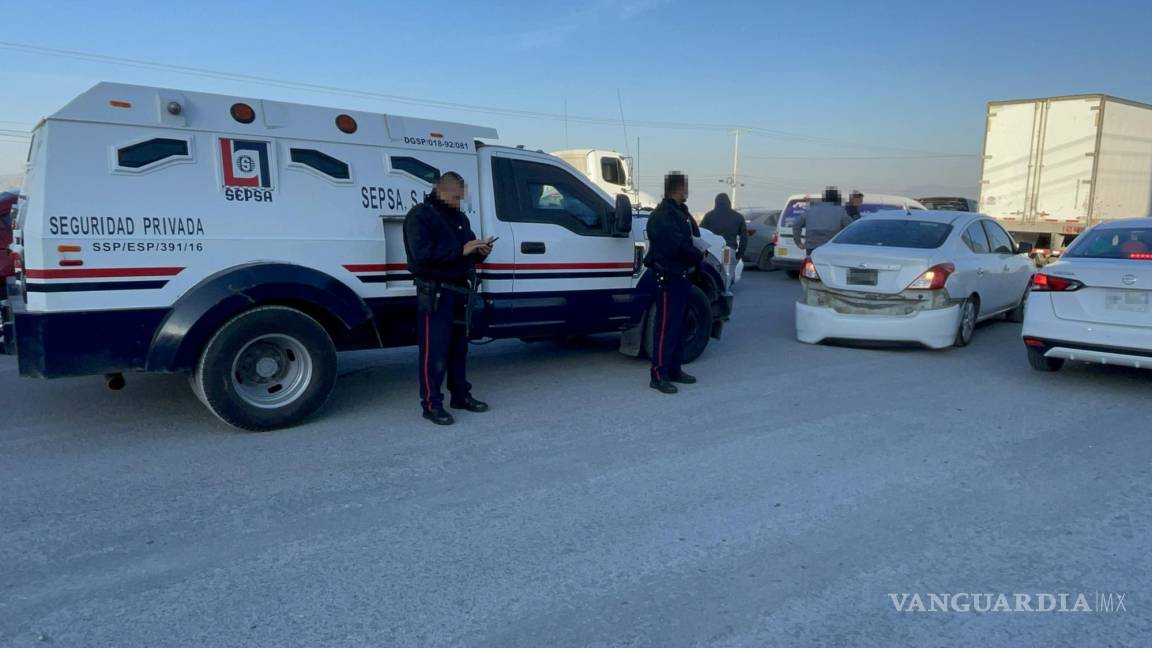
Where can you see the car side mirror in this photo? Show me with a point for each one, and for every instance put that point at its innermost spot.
(1024, 248)
(622, 219)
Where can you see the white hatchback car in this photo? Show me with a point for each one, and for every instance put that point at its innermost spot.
(1095, 303)
(923, 277)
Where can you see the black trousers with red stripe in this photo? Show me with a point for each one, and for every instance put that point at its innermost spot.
(668, 343)
(443, 346)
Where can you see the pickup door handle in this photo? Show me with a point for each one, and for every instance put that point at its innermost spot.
(532, 247)
(979, 271)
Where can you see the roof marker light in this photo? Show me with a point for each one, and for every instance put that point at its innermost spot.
(120, 104)
(243, 113)
(346, 124)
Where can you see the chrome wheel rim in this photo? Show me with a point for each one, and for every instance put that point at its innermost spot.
(272, 371)
(968, 321)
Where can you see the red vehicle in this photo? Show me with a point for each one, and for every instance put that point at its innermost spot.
(7, 263)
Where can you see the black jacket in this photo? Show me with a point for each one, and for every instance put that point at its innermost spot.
(434, 238)
(670, 246)
(727, 222)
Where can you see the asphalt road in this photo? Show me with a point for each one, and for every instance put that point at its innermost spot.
(777, 503)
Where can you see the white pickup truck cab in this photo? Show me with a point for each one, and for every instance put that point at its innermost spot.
(245, 242)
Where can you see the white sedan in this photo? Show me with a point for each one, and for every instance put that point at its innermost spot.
(1094, 304)
(924, 277)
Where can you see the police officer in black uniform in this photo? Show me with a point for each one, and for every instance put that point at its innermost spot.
(442, 253)
(672, 256)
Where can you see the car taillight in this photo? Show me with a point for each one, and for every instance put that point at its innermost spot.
(1051, 283)
(808, 271)
(933, 278)
(775, 238)
(1141, 256)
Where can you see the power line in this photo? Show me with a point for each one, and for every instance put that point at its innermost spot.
(446, 105)
(865, 157)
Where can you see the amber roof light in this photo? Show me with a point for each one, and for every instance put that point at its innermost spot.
(346, 124)
(243, 113)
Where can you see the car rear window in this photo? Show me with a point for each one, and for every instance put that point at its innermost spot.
(872, 208)
(902, 233)
(1113, 243)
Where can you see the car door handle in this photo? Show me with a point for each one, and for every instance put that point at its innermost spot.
(532, 247)
(979, 271)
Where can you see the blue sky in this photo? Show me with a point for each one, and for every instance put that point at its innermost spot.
(833, 82)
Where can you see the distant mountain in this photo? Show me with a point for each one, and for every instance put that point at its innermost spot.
(11, 181)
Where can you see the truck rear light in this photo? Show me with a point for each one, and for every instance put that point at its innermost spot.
(1033, 342)
(933, 278)
(1050, 283)
(119, 104)
(808, 271)
(71, 263)
(243, 113)
(68, 248)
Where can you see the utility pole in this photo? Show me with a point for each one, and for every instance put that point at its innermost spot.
(733, 180)
(735, 166)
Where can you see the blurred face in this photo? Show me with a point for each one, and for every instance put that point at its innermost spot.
(680, 195)
(451, 193)
(856, 199)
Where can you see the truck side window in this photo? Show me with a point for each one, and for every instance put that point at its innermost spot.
(976, 240)
(613, 171)
(416, 168)
(547, 194)
(321, 162)
(142, 154)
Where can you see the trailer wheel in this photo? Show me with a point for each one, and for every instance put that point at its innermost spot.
(267, 368)
(697, 326)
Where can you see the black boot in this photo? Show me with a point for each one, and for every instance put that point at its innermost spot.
(663, 386)
(438, 416)
(470, 404)
(684, 379)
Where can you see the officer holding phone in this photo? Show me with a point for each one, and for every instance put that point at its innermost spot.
(442, 254)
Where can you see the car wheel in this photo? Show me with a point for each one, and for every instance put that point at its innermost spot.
(793, 274)
(969, 311)
(765, 260)
(1016, 315)
(697, 326)
(1040, 363)
(267, 368)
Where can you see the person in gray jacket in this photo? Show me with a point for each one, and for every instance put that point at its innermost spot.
(821, 222)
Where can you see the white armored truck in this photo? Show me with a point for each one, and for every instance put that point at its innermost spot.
(244, 242)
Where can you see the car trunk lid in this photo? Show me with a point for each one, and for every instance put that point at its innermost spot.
(1116, 291)
(868, 269)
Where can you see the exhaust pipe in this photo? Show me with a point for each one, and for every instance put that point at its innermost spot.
(115, 381)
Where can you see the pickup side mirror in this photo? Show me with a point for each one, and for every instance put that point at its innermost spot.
(1024, 248)
(622, 219)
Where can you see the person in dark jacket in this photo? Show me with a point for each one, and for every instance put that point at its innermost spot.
(855, 199)
(671, 256)
(442, 252)
(728, 223)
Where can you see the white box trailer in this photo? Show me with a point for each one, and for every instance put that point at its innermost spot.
(1055, 166)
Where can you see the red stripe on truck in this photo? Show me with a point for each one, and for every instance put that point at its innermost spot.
(100, 273)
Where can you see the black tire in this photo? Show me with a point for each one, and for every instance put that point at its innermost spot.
(793, 274)
(1040, 363)
(969, 312)
(697, 326)
(1016, 315)
(765, 260)
(267, 368)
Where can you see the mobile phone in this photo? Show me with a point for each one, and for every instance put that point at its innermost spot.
(493, 240)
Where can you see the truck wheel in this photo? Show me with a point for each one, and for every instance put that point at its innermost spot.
(697, 326)
(267, 368)
(1040, 363)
